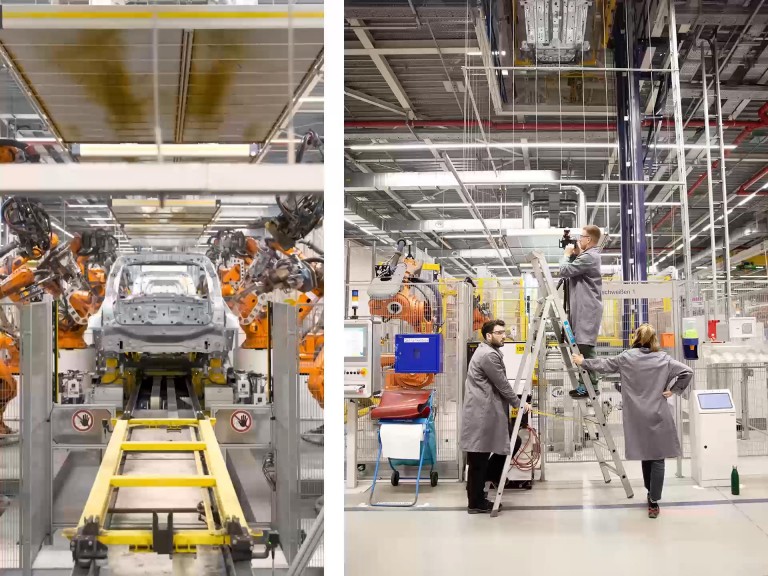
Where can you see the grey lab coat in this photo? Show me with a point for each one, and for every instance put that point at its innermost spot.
(649, 428)
(586, 298)
(487, 396)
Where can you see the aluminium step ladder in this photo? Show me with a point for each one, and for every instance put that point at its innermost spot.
(550, 308)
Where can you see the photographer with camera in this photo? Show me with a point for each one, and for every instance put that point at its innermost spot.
(580, 267)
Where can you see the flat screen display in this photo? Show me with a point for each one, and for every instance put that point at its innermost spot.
(715, 401)
(355, 343)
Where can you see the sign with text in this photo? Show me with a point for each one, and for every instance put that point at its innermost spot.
(622, 291)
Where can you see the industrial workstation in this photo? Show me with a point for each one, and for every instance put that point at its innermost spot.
(161, 381)
(555, 324)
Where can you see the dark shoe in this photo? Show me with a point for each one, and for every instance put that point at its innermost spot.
(653, 510)
(578, 394)
(485, 508)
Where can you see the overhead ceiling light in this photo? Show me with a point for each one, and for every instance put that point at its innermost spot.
(177, 150)
(246, 205)
(109, 217)
(478, 53)
(86, 206)
(236, 218)
(312, 99)
(647, 203)
(496, 145)
(692, 146)
(428, 205)
(456, 236)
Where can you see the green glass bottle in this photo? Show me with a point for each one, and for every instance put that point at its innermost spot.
(735, 481)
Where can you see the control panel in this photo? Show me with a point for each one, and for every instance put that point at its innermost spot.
(362, 372)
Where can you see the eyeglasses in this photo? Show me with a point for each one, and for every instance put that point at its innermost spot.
(499, 333)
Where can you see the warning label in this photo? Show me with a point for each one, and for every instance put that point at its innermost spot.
(241, 421)
(82, 420)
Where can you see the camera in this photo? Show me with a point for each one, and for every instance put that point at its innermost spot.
(566, 239)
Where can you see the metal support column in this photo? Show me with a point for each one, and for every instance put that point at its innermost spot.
(634, 265)
(710, 196)
(680, 142)
(464, 334)
(36, 405)
(723, 186)
(285, 363)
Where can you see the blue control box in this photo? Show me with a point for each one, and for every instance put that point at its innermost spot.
(418, 353)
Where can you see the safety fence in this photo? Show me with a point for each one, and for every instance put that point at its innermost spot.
(422, 307)
(310, 422)
(558, 418)
(10, 454)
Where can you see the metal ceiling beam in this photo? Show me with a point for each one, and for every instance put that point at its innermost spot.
(410, 51)
(396, 180)
(751, 92)
(187, 41)
(199, 16)
(126, 178)
(373, 101)
(381, 64)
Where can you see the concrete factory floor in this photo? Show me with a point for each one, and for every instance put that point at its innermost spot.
(569, 524)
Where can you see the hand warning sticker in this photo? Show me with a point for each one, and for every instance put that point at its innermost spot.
(82, 420)
(241, 421)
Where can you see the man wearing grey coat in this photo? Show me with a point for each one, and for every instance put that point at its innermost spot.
(648, 377)
(485, 416)
(581, 266)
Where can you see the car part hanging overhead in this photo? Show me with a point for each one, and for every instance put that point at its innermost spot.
(555, 29)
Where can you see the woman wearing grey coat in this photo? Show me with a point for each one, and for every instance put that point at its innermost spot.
(648, 377)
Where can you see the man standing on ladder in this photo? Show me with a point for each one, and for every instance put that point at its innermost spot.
(580, 265)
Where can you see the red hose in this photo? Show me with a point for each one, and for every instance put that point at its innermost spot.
(523, 461)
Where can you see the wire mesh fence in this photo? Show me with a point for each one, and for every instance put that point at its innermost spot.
(10, 455)
(311, 438)
(420, 307)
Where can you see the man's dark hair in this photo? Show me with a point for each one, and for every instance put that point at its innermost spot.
(489, 326)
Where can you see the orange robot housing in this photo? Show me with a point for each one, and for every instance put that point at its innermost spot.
(404, 306)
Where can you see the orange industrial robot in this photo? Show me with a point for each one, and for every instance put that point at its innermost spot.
(249, 268)
(399, 293)
(38, 263)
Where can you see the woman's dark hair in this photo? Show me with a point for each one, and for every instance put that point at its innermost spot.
(489, 326)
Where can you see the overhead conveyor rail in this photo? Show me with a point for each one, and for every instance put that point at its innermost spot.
(218, 507)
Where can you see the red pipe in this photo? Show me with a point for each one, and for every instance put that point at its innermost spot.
(742, 191)
(763, 122)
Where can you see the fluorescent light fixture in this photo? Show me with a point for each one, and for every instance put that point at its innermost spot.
(478, 53)
(647, 203)
(245, 205)
(236, 218)
(359, 227)
(37, 139)
(178, 150)
(98, 218)
(692, 146)
(312, 99)
(498, 145)
(86, 206)
(478, 236)
(428, 205)
(60, 229)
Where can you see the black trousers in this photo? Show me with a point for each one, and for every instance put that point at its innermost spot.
(653, 477)
(484, 467)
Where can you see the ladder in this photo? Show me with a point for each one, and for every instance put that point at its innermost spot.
(549, 307)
